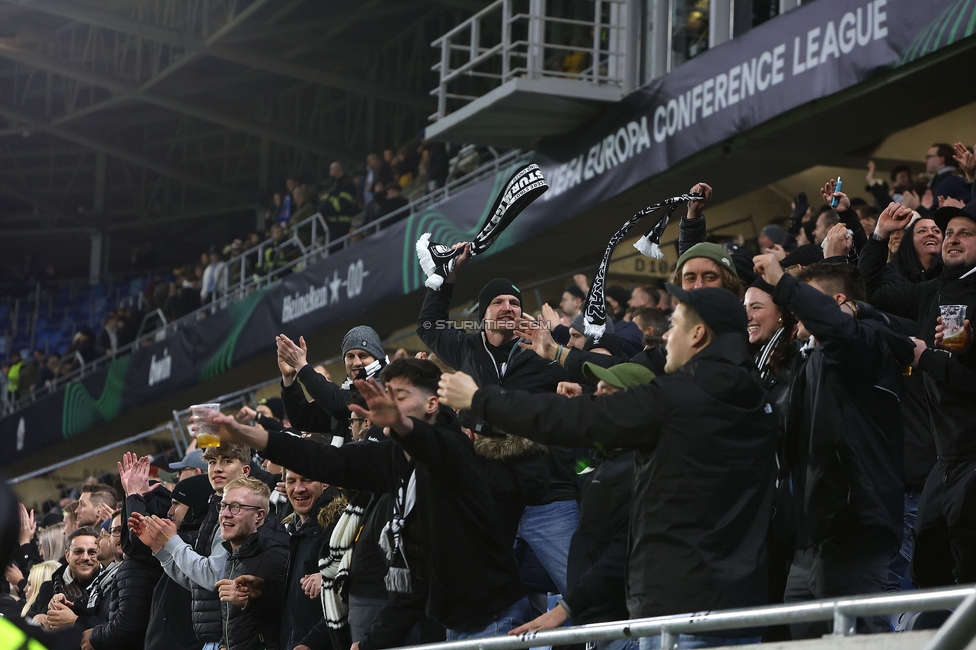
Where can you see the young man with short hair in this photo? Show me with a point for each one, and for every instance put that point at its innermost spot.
(198, 568)
(444, 516)
(705, 437)
(91, 497)
(251, 586)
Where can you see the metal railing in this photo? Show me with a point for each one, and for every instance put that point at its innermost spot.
(316, 247)
(842, 611)
(520, 38)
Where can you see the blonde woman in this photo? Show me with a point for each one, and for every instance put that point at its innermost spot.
(50, 542)
(39, 574)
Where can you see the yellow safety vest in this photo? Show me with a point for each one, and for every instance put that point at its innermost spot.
(13, 638)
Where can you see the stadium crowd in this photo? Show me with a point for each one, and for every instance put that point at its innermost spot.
(781, 425)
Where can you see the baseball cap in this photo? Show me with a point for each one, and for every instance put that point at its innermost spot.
(192, 460)
(720, 309)
(622, 375)
(943, 216)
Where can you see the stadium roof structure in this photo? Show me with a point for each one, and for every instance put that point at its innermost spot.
(124, 117)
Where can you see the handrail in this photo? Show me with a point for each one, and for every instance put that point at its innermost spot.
(462, 54)
(315, 251)
(959, 630)
(843, 611)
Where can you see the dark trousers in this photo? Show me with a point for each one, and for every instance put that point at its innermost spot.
(945, 529)
(852, 565)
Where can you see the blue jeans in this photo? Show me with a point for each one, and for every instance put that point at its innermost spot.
(548, 530)
(211, 646)
(694, 641)
(518, 614)
(618, 644)
(899, 578)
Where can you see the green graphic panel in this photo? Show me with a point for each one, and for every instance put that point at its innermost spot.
(81, 410)
(443, 231)
(954, 24)
(240, 314)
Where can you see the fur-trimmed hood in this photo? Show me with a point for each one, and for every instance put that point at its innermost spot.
(510, 449)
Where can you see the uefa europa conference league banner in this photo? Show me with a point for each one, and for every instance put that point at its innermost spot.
(814, 51)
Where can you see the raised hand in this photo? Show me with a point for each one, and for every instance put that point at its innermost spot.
(837, 242)
(27, 524)
(295, 355)
(536, 337)
(949, 202)
(695, 208)
(457, 390)
(828, 193)
(383, 410)
(581, 281)
(910, 200)
(246, 414)
(966, 160)
(768, 267)
(461, 260)
(894, 217)
(870, 175)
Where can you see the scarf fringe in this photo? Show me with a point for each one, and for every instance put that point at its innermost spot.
(647, 248)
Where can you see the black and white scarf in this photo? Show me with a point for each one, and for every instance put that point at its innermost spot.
(765, 354)
(525, 186)
(391, 538)
(595, 314)
(336, 559)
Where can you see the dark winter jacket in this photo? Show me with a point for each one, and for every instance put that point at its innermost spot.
(265, 555)
(846, 438)
(299, 613)
(705, 438)
(170, 626)
(950, 378)
(56, 585)
(129, 611)
(328, 413)
(205, 605)
(598, 552)
(518, 476)
(471, 572)
(468, 353)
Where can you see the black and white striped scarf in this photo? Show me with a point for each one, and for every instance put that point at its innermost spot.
(595, 314)
(336, 559)
(525, 186)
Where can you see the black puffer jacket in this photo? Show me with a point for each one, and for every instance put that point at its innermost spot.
(846, 437)
(299, 612)
(205, 605)
(950, 378)
(265, 555)
(703, 487)
(131, 600)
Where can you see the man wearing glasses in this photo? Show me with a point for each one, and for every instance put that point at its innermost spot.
(69, 586)
(254, 575)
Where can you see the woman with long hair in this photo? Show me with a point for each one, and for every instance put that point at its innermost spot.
(919, 255)
(50, 542)
(39, 574)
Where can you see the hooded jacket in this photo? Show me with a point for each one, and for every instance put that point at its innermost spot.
(169, 626)
(950, 378)
(264, 554)
(471, 572)
(705, 465)
(299, 613)
(845, 434)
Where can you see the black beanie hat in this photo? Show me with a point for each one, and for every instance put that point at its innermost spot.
(275, 405)
(194, 491)
(495, 288)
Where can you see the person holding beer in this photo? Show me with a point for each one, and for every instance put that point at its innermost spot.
(942, 308)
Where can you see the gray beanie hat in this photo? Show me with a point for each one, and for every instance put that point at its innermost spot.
(363, 337)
